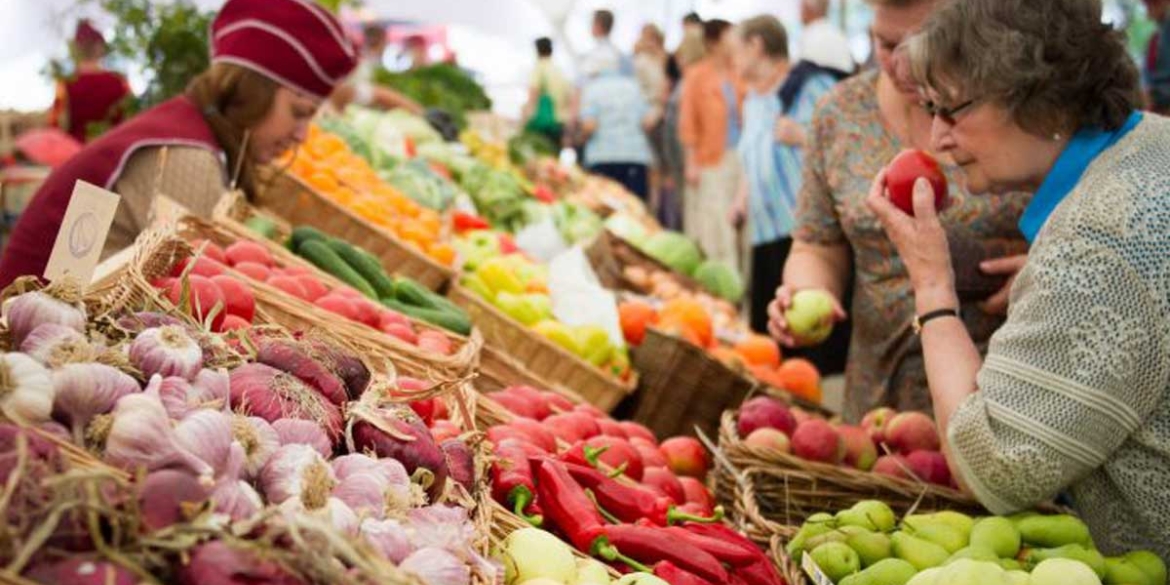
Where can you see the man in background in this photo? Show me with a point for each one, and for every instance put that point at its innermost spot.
(549, 93)
(822, 42)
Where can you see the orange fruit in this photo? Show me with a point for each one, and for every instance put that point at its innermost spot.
(693, 315)
(679, 329)
(443, 254)
(635, 317)
(759, 350)
(801, 378)
(730, 358)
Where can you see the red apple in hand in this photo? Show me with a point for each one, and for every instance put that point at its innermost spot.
(685, 456)
(905, 169)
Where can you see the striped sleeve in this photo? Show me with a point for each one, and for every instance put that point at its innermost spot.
(1079, 366)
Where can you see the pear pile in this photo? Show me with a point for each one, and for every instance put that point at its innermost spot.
(868, 545)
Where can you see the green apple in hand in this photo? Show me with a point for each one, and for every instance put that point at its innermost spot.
(810, 316)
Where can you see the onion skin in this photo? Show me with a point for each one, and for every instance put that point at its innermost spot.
(266, 392)
(460, 462)
(420, 452)
(292, 358)
(350, 368)
(216, 563)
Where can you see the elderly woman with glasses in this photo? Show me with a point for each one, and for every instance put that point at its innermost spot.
(1074, 394)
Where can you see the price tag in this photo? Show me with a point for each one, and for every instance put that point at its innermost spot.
(813, 571)
(83, 233)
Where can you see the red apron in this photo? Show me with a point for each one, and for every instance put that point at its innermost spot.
(176, 122)
(93, 97)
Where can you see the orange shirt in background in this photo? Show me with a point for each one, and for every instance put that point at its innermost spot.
(703, 110)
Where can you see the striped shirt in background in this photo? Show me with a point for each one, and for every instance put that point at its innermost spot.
(773, 170)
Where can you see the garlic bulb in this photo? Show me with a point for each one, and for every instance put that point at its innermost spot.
(26, 389)
(436, 566)
(334, 510)
(396, 493)
(295, 431)
(174, 392)
(258, 440)
(83, 391)
(54, 345)
(388, 537)
(363, 493)
(141, 436)
(233, 496)
(207, 434)
(167, 351)
(208, 390)
(297, 472)
(30, 310)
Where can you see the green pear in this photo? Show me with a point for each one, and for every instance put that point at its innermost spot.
(831, 536)
(1150, 564)
(920, 553)
(1021, 516)
(972, 572)
(957, 520)
(799, 543)
(1064, 572)
(1053, 531)
(978, 553)
(1074, 552)
(821, 518)
(1119, 571)
(1011, 565)
(836, 560)
(927, 577)
(997, 534)
(854, 517)
(878, 513)
(871, 547)
(1018, 578)
(942, 535)
(885, 572)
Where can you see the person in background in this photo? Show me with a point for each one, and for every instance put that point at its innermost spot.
(549, 93)
(692, 25)
(604, 50)
(273, 63)
(821, 42)
(770, 153)
(862, 124)
(93, 99)
(1158, 58)
(417, 51)
(709, 128)
(650, 70)
(362, 88)
(670, 209)
(1074, 394)
(614, 117)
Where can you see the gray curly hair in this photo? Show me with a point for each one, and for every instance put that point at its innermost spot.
(1052, 63)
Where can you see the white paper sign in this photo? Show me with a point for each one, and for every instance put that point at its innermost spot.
(83, 233)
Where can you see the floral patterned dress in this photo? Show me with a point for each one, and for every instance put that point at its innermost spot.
(848, 145)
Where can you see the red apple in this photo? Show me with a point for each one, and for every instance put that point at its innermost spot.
(445, 429)
(892, 465)
(201, 266)
(611, 428)
(912, 431)
(618, 452)
(905, 170)
(930, 466)
(538, 433)
(816, 440)
(685, 456)
(697, 493)
(590, 410)
(764, 411)
(634, 429)
(874, 422)
(664, 482)
(651, 456)
(768, 439)
(860, 452)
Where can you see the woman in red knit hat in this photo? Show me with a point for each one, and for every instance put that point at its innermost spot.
(273, 63)
(93, 95)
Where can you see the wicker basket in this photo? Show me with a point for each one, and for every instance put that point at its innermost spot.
(610, 255)
(771, 493)
(159, 250)
(297, 203)
(541, 356)
(682, 387)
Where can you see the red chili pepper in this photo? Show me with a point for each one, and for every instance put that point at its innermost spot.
(463, 221)
(507, 244)
(408, 144)
(581, 454)
(630, 503)
(569, 508)
(512, 484)
(544, 194)
(668, 572)
(652, 544)
(759, 572)
(732, 554)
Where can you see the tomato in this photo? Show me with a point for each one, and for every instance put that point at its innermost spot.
(238, 298)
(204, 297)
(246, 251)
(905, 169)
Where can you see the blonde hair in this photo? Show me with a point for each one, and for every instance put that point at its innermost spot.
(691, 50)
(233, 100)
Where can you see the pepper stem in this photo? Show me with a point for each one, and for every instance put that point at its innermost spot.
(593, 453)
(604, 513)
(521, 496)
(675, 516)
(619, 471)
(602, 548)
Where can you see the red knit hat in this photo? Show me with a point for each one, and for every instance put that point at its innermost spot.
(87, 36)
(294, 42)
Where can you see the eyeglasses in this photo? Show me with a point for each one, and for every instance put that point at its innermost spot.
(947, 114)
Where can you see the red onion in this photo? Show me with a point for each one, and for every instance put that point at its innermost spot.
(216, 563)
(396, 432)
(82, 572)
(165, 493)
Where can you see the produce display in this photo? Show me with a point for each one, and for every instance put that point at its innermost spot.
(867, 544)
(326, 163)
(220, 458)
(439, 86)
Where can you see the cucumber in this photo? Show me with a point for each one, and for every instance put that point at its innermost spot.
(263, 226)
(302, 234)
(412, 293)
(365, 265)
(323, 257)
(455, 323)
